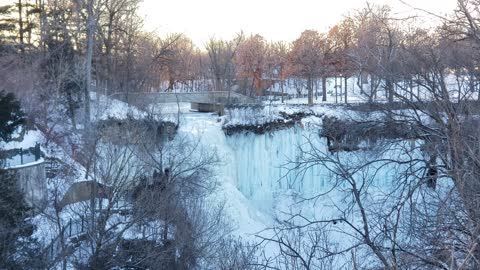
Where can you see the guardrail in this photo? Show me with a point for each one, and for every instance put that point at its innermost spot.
(20, 156)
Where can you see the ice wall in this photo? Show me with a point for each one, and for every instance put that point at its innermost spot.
(258, 189)
(263, 165)
(262, 162)
(255, 180)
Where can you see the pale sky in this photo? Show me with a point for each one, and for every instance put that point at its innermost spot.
(273, 19)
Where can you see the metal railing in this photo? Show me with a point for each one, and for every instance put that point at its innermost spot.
(20, 156)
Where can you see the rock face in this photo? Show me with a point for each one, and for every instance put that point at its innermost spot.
(285, 121)
(83, 191)
(122, 131)
(31, 180)
(346, 135)
(275, 125)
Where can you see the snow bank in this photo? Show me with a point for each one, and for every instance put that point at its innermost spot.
(104, 107)
(30, 138)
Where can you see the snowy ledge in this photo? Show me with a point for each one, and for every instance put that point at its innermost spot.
(231, 129)
(344, 128)
(267, 123)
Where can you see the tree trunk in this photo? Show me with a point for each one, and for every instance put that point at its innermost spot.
(372, 89)
(418, 91)
(281, 87)
(20, 25)
(360, 84)
(108, 52)
(71, 109)
(324, 89)
(88, 64)
(336, 90)
(171, 83)
(346, 94)
(471, 83)
(411, 89)
(218, 83)
(310, 91)
(389, 89)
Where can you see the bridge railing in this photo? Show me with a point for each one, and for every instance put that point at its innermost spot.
(210, 97)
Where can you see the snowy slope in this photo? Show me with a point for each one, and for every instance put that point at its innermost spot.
(257, 183)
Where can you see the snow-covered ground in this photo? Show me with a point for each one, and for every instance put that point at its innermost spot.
(30, 138)
(335, 88)
(257, 184)
(295, 90)
(104, 107)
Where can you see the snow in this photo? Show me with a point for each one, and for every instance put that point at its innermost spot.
(311, 122)
(256, 182)
(246, 218)
(104, 107)
(297, 92)
(30, 138)
(28, 160)
(251, 116)
(259, 187)
(260, 115)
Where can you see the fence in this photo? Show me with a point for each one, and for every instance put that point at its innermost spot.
(74, 228)
(74, 231)
(20, 156)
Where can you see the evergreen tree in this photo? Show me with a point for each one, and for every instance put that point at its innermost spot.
(19, 23)
(6, 23)
(11, 115)
(7, 27)
(18, 250)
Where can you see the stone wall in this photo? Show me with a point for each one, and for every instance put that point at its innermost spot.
(31, 180)
(83, 191)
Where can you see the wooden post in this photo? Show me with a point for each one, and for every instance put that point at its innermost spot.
(37, 151)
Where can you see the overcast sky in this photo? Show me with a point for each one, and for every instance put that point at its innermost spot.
(273, 19)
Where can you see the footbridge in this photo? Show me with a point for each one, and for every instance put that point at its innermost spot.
(207, 101)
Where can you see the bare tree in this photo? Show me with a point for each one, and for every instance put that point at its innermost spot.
(341, 37)
(377, 48)
(221, 54)
(307, 58)
(250, 60)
